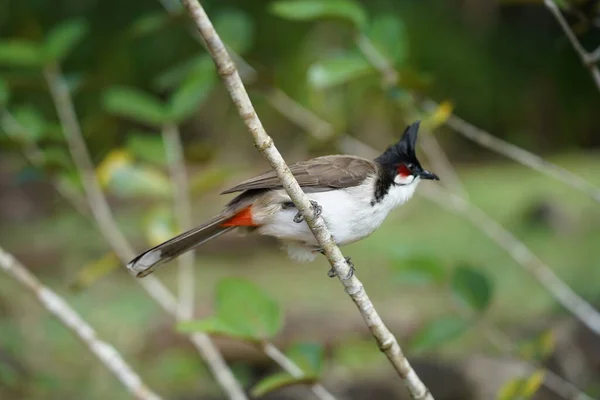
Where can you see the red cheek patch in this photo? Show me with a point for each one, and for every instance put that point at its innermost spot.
(403, 171)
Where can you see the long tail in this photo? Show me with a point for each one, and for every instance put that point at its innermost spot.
(149, 260)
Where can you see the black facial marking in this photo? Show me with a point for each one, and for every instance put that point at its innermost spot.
(394, 156)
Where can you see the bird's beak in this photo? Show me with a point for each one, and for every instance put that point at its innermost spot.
(428, 175)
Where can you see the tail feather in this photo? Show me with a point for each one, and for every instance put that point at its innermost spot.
(148, 261)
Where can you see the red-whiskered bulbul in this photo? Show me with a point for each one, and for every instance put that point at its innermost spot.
(354, 196)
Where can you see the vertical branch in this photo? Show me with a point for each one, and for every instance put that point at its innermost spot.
(106, 353)
(293, 369)
(588, 60)
(226, 68)
(109, 229)
(183, 214)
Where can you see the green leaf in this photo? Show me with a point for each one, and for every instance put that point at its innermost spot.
(63, 38)
(308, 356)
(147, 147)
(20, 53)
(438, 332)
(30, 125)
(472, 288)
(94, 271)
(160, 226)
(243, 311)
(304, 10)
(278, 381)
(419, 269)
(337, 70)
(246, 308)
(180, 72)
(539, 348)
(190, 95)
(236, 29)
(522, 389)
(388, 34)
(135, 104)
(118, 173)
(4, 93)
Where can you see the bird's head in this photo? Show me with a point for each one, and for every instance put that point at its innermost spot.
(400, 159)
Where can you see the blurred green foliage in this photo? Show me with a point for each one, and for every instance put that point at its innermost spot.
(134, 68)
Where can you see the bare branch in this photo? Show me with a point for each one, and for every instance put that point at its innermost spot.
(518, 154)
(110, 231)
(587, 59)
(183, 213)
(552, 380)
(226, 68)
(440, 162)
(587, 314)
(293, 369)
(106, 353)
(35, 157)
(485, 139)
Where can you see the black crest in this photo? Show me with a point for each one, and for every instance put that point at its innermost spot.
(403, 151)
(393, 156)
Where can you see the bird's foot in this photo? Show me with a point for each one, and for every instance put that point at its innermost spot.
(331, 273)
(317, 209)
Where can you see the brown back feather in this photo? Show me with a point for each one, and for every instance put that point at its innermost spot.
(319, 174)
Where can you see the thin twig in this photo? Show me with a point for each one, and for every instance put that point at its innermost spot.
(588, 60)
(505, 344)
(183, 213)
(293, 369)
(483, 138)
(441, 164)
(518, 154)
(110, 231)
(34, 155)
(552, 380)
(226, 68)
(106, 353)
(570, 300)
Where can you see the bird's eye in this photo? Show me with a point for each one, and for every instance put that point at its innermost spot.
(404, 170)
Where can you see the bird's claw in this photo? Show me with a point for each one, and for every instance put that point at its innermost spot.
(331, 273)
(317, 209)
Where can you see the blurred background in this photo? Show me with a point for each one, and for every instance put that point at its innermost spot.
(474, 323)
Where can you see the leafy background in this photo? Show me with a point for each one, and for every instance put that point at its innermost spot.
(441, 285)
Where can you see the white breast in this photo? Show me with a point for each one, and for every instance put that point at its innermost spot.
(349, 213)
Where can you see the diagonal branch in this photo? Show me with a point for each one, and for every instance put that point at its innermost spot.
(566, 296)
(183, 213)
(518, 154)
(106, 353)
(226, 68)
(479, 136)
(112, 234)
(587, 314)
(33, 154)
(589, 60)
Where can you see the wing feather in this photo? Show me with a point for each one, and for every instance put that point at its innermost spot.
(321, 173)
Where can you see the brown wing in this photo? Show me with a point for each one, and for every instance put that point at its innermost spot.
(319, 174)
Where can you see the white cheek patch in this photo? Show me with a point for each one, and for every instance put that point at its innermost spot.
(404, 180)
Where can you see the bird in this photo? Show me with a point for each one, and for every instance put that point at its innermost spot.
(354, 195)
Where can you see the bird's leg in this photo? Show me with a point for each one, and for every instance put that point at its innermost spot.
(332, 274)
(317, 209)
